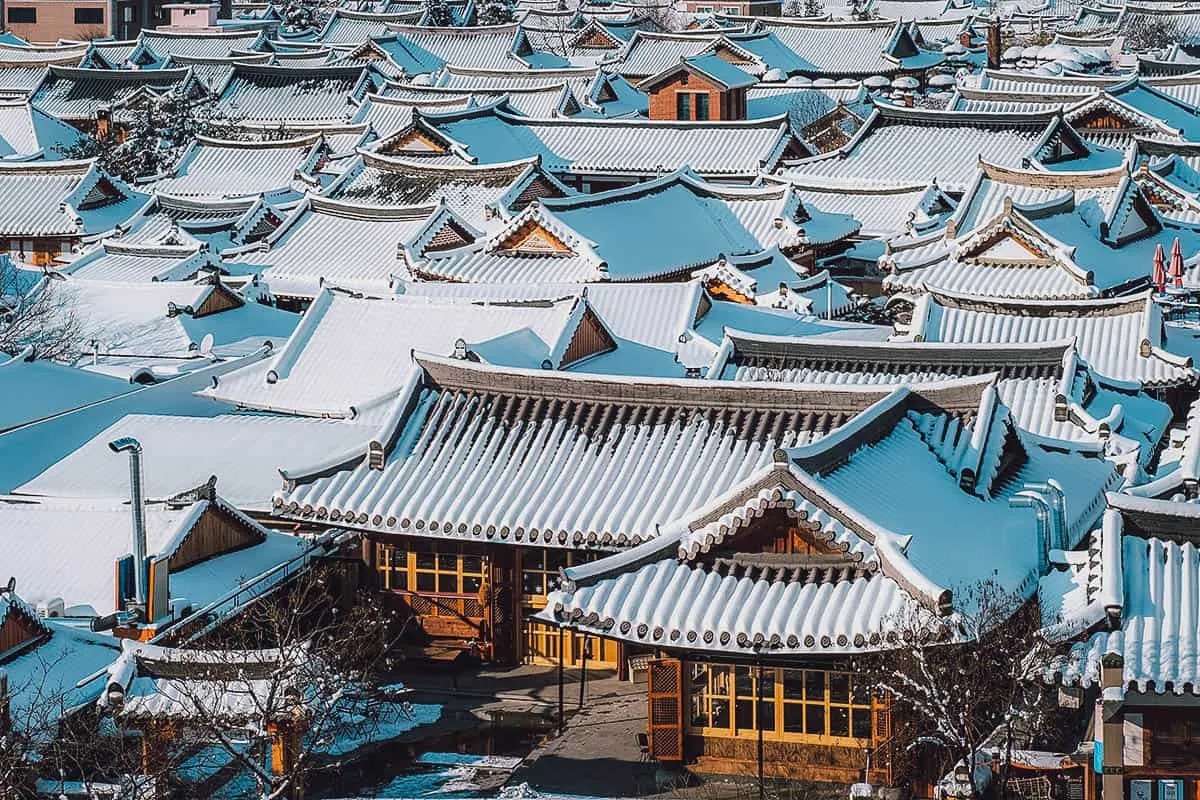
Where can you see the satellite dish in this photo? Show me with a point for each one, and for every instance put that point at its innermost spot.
(206, 345)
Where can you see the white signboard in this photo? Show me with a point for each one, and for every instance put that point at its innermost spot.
(1134, 754)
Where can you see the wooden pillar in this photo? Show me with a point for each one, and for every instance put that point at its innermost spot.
(157, 737)
(1111, 720)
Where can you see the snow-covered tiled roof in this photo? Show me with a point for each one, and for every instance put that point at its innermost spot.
(257, 94)
(488, 47)
(667, 226)
(63, 198)
(27, 132)
(712, 149)
(835, 48)
(709, 597)
(243, 452)
(1146, 580)
(20, 81)
(881, 212)
(200, 44)
(902, 147)
(97, 534)
(1120, 338)
(336, 243)
(139, 326)
(1050, 393)
(460, 460)
(308, 375)
(75, 93)
(116, 261)
(217, 169)
(648, 53)
(475, 192)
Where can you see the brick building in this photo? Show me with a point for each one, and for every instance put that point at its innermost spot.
(698, 88)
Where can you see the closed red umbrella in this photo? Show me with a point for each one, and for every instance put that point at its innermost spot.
(1177, 263)
(1160, 268)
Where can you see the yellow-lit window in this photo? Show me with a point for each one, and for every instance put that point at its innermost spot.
(791, 703)
(431, 568)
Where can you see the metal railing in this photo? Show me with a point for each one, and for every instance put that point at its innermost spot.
(229, 604)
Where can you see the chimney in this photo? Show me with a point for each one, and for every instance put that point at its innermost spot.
(993, 43)
(134, 448)
(1041, 508)
(1056, 502)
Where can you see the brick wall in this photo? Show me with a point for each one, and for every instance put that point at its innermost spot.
(662, 100)
(56, 20)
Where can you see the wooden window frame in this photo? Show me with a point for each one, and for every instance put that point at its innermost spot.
(683, 105)
(401, 558)
(779, 702)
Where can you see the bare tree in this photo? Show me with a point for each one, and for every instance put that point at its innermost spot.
(301, 15)
(807, 107)
(36, 313)
(1147, 33)
(286, 688)
(154, 135)
(495, 12)
(954, 681)
(47, 736)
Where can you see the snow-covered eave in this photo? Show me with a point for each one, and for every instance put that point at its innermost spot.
(378, 445)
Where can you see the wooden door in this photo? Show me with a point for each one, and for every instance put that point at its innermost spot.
(502, 612)
(664, 716)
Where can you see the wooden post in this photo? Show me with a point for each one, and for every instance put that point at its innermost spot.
(561, 707)
(583, 673)
(758, 724)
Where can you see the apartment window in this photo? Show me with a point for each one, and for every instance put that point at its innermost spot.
(704, 9)
(701, 106)
(89, 16)
(22, 15)
(683, 105)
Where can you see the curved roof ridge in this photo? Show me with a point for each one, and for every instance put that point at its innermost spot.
(474, 31)
(416, 165)
(1101, 305)
(270, 144)
(1111, 176)
(958, 394)
(848, 349)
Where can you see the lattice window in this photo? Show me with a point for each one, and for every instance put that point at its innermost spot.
(431, 567)
(794, 704)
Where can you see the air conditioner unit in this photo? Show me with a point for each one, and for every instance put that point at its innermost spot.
(54, 607)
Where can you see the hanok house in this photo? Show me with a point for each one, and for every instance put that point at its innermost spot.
(1125, 611)
(63, 205)
(699, 88)
(1050, 390)
(79, 559)
(487, 481)
(165, 693)
(755, 604)
(41, 667)
(94, 99)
